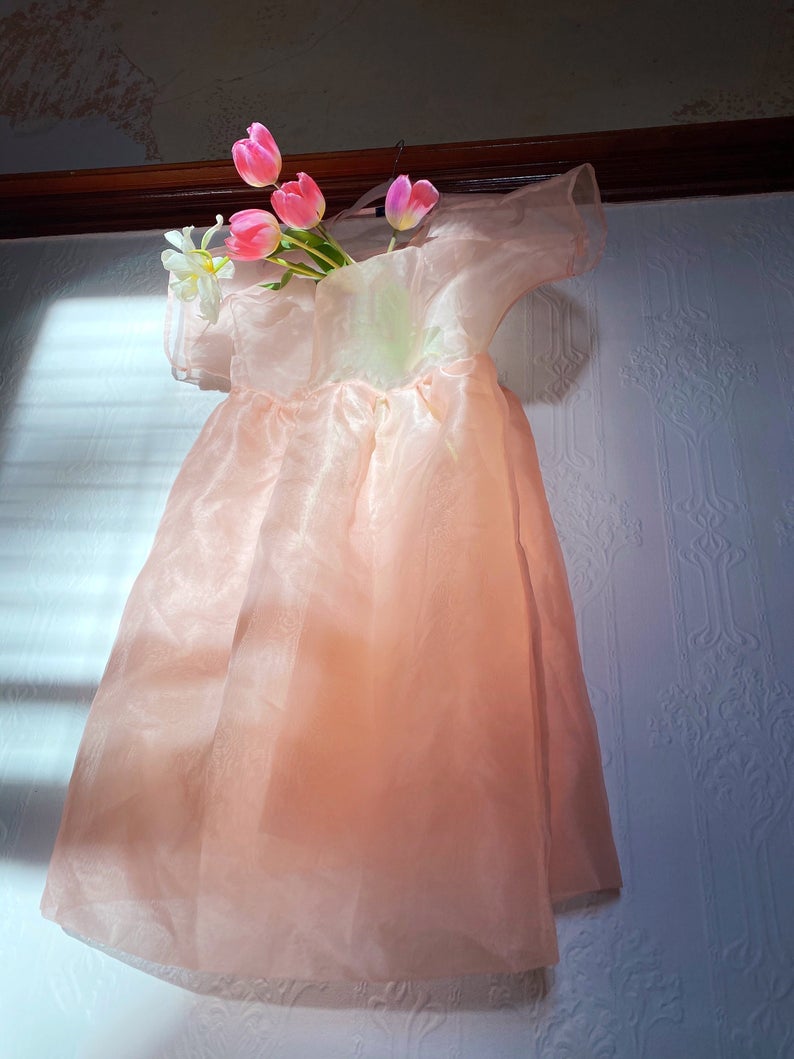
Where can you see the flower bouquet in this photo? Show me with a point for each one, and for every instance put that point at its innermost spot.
(258, 235)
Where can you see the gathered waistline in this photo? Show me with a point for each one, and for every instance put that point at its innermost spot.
(425, 377)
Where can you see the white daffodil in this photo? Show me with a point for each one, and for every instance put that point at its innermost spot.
(195, 272)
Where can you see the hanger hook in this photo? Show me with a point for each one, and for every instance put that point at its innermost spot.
(399, 145)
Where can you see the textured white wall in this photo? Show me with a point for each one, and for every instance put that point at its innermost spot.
(661, 391)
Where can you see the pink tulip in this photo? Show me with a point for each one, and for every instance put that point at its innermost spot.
(254, 234)
(299, 203)
(407, 204)
(257, 159)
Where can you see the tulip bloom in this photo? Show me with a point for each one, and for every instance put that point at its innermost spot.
(195, 272)
(257, 159)
(407, 204)
(299, 203)
(254, 234)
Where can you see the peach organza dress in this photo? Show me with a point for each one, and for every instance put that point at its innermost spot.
(343, 732)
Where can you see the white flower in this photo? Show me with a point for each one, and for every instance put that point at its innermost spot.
(195, 272)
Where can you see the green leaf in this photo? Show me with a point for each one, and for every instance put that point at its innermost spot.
(315, 252)
(333, 252)
(319, 262)
(315, 248)
(279, 284)
(316, 261)
(310, 237)
(297, 267)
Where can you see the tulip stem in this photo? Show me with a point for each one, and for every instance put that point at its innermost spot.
(327, 235)
(313, 250)
(299, 270)
(392, 241)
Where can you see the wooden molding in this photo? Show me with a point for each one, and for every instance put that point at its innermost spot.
(674, 161)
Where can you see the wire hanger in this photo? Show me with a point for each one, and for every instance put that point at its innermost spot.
(374, 193)
(399, 145)
(380, 211)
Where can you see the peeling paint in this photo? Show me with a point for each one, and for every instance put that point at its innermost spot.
(731, 106)
(86, 83)
(61, 63)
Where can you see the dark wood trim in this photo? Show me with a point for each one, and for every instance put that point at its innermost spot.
(675, 161)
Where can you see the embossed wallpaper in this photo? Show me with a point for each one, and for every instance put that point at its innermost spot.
(661, 391)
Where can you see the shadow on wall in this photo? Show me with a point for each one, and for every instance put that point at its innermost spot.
(543, 345)
(363, 1019)
(41, 806)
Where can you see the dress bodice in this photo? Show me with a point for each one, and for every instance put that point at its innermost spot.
(380, 320)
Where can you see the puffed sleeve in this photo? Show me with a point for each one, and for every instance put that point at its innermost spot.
(200, 352)
(541, 233)
(549, 231)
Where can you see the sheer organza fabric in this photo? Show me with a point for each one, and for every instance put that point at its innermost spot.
(343, 732)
